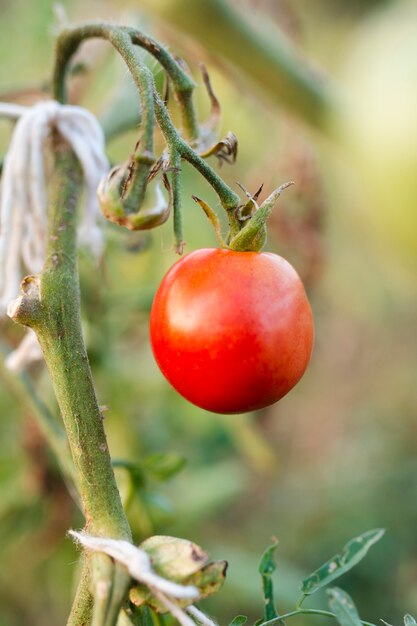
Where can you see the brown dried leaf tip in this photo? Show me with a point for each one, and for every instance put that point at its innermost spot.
(225, 149)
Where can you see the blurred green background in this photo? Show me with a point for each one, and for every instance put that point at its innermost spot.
(337, 455)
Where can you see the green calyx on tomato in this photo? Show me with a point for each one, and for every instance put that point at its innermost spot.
(247, 222)
(232, 331)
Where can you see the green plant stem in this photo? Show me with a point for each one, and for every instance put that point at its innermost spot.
(144, 157)
(183, 84)
(70, 39)
(54, 435)
(279, 618)
(82, 607)
(59, 331)
(50, 304)
(228, 198)
(270, 63)
(124, 40)
(23, 388)
(175, 166)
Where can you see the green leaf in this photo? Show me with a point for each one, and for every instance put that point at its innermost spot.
(342, 606)
(164, 465)
(239, 620)
(267, 564)
(409, 620)
(266, 569)
(353, 552)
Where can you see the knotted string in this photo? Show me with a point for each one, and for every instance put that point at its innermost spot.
(23, 202)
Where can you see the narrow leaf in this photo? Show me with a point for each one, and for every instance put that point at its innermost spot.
(267, 564)
(266, 569)
(409, 620)
(342, 606)
(215, 222)
(239, 620)
(353, 552)
(224, 150)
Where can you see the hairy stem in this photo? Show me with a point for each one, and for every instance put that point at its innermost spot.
(59, 332)
(229, 199)
(175, 166)
(125, 40)
(82, 607)
(50, 304)
(183, 84)
(143, 158)
(69, 41)
(22, 386)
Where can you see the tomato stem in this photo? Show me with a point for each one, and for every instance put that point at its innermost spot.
(175, 164)
(22, 386)
(123, 194)
(51, 306)
(124, 205)
(70, 39)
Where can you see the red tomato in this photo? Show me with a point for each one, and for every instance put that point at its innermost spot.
(232, 331)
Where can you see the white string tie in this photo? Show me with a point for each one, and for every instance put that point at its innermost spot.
(23, 204)
(138, 564)
(26, 352)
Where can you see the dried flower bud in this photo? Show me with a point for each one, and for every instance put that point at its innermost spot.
(181, 561)
(110, 197)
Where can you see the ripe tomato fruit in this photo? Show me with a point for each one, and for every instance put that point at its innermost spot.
(231, 331)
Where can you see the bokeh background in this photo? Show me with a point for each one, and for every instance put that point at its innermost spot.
(337, 456)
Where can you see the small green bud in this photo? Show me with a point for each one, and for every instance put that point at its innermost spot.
(180, 561)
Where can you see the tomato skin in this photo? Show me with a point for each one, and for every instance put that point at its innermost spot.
(231, 331)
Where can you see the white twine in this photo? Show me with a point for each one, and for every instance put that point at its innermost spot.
(139, 566)
(26, 352)
(176, 611)
(200, 617)
(24, 198)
